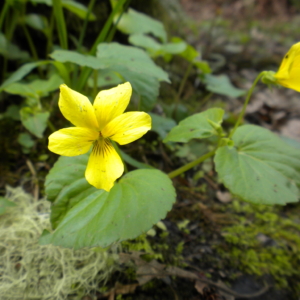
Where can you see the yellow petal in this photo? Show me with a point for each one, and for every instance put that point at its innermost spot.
(77, 108)
(111, 103)
(104, 166)
(289, 71)
(128, 127)
(72, 141)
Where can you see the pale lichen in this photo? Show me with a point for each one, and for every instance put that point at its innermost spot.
(31, 271)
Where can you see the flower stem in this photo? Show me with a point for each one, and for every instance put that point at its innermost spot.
(60, 22)
(105, 30)
(3, 13)
(191, 164)
(30, 43)
(49, 34)
(182, 84)
(86, 20)
(95, 85)
(86, 72)
(51, 126)
(242, 113)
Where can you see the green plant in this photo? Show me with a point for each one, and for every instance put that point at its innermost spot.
(252, 162)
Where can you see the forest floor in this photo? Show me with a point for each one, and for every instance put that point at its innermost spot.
(235, 249)
(212, 246)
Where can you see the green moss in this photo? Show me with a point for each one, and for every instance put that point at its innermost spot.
(264, 241)
(141, 243)
(157, 246)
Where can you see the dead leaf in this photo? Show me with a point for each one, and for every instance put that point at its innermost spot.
(227, 296)
(213, 217)
(120, 289)
(125, 289)
(224, 197)
(150, 270)
(199, 286)
(175, 271)
(134, 256)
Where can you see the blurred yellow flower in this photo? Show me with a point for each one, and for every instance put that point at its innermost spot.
(288, 74)
(98, 125)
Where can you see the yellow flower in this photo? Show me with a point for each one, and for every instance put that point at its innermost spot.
(98, 125)
(288, 74)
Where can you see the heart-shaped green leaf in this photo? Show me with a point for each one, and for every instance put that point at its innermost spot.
(260, 168)
(222, 85)
(161, 125)
(34, 121)
(85, 216)
(133, 22)
(196, 126)
(114, 56)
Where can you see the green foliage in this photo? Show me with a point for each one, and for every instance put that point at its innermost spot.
(133, 162)
(108, 216)
(132, 65)
(199, 126)
(12, 112)
(10, 50)
(133, 22)
(254, 165)
(260, 167)
(37, 22)
(156, 49)
(20, 73)
(221, 85)
(26, 141)
(36, 88)
(146, 87)
(4, 204)
(138, 26)
(114, 55)
(105, 78)
(34, 121)
(27, 68)
(161, 125)
(78, 9)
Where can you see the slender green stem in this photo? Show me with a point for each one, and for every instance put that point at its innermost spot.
(81, 37)
(4, 67)
(61, 24)
(3, 13)
(50, 34)
(30, 43)
(203, 101)
(103, 34)
(184, 79)
(242, 113)
(29, 39)
(182, 84)
(27, 34)
(86, 20)
(11, 20)
(191, 164)
(51, 126)
(112, 31)
(95, 86)
(86, 72)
